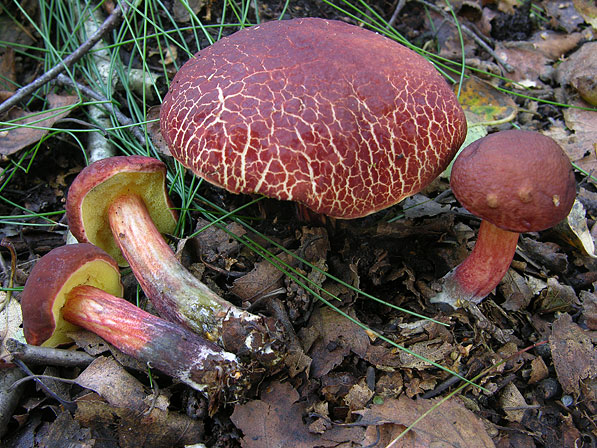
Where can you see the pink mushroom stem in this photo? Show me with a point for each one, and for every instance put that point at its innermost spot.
(486, 265)
(176, 293)
(164, 345)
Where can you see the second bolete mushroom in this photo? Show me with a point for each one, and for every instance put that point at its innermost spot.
(121, 205)
(78, 286)
(515, 181)
(340, 119)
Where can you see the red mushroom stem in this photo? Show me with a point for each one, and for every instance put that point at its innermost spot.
(482, 271)
(163, 345)
(176, 293)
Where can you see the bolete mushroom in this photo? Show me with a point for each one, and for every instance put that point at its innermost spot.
(121, 205)
(515, 181)
(77, 286)
(101, 184)
(327, 114)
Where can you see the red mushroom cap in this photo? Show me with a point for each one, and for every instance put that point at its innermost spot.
(520, 181)
(50, 280)
(92, 192)
(338, 118)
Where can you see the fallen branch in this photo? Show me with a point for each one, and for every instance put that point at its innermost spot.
(109, 24)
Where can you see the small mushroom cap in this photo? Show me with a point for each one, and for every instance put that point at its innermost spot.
(98, 184)
(50, 280)
(336, 117)
(520, 181)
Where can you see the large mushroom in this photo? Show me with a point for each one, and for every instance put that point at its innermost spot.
(78, 286)
(515, 181)
(121, 205)
(330, 115)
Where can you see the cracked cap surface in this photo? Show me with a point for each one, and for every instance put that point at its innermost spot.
(338, 118)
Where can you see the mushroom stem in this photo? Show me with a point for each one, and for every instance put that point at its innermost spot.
(177, 294)
(164, 345)
(481, 272)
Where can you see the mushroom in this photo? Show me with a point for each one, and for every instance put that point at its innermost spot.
(77, 286)
(330, 115)
(121, 205)
(515, 181)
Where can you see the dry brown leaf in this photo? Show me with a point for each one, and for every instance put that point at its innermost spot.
(215, 244)
(515, 289)
(17, 138)
(264, 277)
(574, 355)
(68, 431)
(157, 428)
(449, 425)
(434, 350)
(114, 384)
(539, 370)
(556, 297)
(330, 337)
(276, 421)
(580, 71)
(512, 402)
(141, 420)
(589, 306)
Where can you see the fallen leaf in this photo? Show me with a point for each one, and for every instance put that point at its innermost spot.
(25, 129)
(556, 297)
(579, 70)
(113, 383)
(276, 421)
(516, 290)
(120, 400)
(539, 370)
(449, 425)
(68, 431)
(329, 338)
(434, 350)
(263, 278)
(589, 305)
(484, 101)
(512, 403)
(588, 10)
(575, 231)
(11, 319)
(574, 355)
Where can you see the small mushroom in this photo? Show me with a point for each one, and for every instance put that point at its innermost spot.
(121, 205)
(99, 185)
(515, 181)
(327, 114)
(77, 286)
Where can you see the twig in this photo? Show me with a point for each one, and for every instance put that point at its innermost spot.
(471, 34)
(32, 354)
(70, 406)
(110, 23)
(394, 17)
(13, 268)
(122, 119)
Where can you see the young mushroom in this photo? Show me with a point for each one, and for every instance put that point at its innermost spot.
(77, 286)
(330, 115)
(515, 181)
(121, 205)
